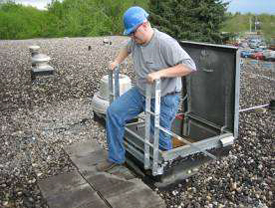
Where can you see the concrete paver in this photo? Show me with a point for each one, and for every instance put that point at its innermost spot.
(83, 148)
(70, 190)
(81, 196)
(88, 162)
(88, 188)
(122, 172)
(109, 185)
(121, 193)
(141, 197)
(60, 183)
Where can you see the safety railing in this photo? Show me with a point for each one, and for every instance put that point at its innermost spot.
(154, 165)
(113, 80)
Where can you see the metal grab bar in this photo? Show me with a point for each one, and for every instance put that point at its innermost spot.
(156, 115)
(113, 90)
(187, 142)
(147, 127)
(157, 128)
(256, 107)
(183, 140)
(114, 93)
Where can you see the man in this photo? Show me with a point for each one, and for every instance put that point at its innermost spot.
(155, 56)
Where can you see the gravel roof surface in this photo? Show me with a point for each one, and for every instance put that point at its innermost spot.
(38, 119)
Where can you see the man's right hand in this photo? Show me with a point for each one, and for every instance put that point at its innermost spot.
(119, 59)
(113, 65)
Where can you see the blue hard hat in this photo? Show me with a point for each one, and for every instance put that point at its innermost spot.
(132, 18)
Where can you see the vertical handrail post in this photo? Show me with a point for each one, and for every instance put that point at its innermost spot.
(113, 80)
(111, 87)
(147, 127)
(116, 77)
(156, 126)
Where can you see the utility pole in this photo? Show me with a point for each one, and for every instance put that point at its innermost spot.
(250, 24)
(255, 23)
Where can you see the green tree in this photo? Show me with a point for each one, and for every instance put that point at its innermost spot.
(20, 22)
(241, 23)
(267, 26)
(73, 18)
(197, 20)
(236, 23)
(90, 17)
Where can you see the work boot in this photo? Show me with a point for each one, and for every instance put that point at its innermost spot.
(106, 165)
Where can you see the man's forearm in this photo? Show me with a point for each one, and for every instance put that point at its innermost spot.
(122, 55)
(175, 71)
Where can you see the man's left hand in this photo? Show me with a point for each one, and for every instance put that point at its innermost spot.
(152, 77)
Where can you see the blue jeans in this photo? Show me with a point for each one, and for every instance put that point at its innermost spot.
(128, 106)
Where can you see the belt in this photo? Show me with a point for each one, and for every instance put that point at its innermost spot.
(173, 93)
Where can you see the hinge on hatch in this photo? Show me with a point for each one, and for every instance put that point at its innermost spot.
(226, 141)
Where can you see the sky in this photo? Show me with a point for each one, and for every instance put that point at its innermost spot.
(40, 4)
(253, 6)
(243, 6)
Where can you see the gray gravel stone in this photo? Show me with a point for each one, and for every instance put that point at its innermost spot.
(38, 119)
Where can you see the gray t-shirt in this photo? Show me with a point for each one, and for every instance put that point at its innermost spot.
(161, 52)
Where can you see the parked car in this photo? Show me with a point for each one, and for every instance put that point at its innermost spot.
(246, 54)
(258, 56)
(256, 50)
(269, 55)
(253, 43)
(243, 45)
(272, 44)
(263, 46)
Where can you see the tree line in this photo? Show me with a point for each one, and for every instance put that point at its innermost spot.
(241, 23)
(196, 20)
(68, 18)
